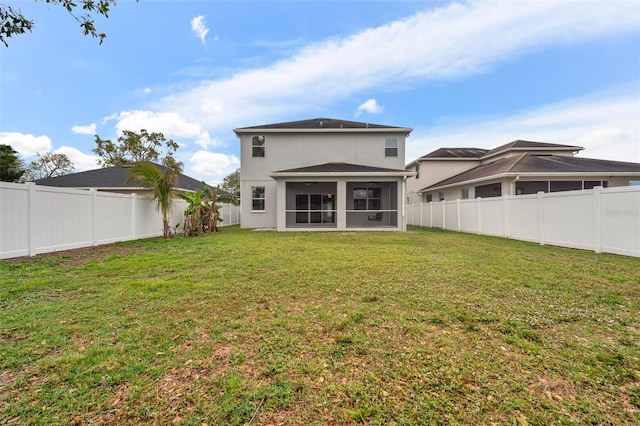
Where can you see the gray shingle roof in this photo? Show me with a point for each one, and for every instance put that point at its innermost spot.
(340, 168)
(472, 153)
(548, 164)
(480, 153)
(112, 178)
(320, 123)
(520, 145)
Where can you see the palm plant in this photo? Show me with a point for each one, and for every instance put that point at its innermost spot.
(162, 183)
(203, 211)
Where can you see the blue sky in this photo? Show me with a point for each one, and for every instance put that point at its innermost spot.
(461, 74)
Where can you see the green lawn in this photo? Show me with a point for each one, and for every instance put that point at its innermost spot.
(241, 327)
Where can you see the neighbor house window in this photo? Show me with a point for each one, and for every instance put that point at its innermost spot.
(429, 198)
(590, 184)
(391, 147)
(257, 198)
(257, 146)
(417, 170)
(490, 190)
(562, 185)
(465, 193)
(441, 195)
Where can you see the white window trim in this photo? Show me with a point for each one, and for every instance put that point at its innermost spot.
(264, 199)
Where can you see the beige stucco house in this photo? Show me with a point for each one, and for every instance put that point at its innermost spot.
(323, 174)
(517, 168)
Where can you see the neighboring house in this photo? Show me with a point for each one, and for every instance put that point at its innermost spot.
(114, 179)
(516, 168)
(323, 174)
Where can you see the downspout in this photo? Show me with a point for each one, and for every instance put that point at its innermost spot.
(512, 185)
(404, 203)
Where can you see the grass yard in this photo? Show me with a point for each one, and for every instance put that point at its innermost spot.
(241, 327)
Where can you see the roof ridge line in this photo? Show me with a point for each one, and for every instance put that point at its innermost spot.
(516, 161)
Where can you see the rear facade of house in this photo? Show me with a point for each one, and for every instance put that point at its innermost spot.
(323, 174)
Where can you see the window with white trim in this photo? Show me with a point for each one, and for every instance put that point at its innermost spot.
(257, 146)
(257, 198)
(391, 147)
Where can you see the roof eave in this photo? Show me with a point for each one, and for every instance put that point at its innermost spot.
(406, 130)
(527, 174)
(276, 175)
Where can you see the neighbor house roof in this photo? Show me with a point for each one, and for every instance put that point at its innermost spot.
(485, 154)
(457, 153)
(341, 169)
(321, 124)
(530, 146)
(540, 165)
(113, 178)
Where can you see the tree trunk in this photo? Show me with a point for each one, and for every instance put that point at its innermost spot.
(166, 227)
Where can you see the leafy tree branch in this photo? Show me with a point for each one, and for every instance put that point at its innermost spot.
(13, 22)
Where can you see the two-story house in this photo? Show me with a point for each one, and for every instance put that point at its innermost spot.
(323, 174)
(516, 168)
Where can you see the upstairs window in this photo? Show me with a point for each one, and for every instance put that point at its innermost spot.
(417, 170)
(257, 146)
(391, 147)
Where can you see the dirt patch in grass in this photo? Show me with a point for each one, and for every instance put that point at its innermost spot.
(80, 256)
(177, 384)
(7, 379)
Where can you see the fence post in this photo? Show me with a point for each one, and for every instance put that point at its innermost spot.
(479, 199)
(94, 214)
(541, 218)
(505, 212)
(444, 216)
(458, 212)
(597, 219)
(431, 215)
(134, 206)
(31, 215)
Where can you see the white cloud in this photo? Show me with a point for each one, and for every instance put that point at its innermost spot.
(170, 124)
(26, 144)
(442, 43)
(370, 106)
(605, 124)
(205, 141)
(199, 27)
(213, 166)
(80, 160)
(85, 130)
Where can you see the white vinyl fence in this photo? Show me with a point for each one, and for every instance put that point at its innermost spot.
(38, 219)
(602, 220)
